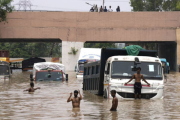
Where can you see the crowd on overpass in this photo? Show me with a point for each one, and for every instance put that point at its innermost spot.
(103, 9)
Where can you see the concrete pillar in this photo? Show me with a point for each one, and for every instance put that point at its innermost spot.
(70, 60)
(178, 45)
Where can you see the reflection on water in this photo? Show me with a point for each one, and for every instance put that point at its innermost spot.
(50, 102)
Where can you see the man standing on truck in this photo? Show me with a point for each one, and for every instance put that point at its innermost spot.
(75, 100)
(137, 84)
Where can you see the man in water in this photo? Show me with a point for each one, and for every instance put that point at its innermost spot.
(75, 100)
(114, 101)
(32, 89)
(137, 84)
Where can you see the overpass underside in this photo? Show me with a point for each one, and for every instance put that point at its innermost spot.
(165, 49)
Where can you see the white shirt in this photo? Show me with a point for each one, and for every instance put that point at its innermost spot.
(110, 10)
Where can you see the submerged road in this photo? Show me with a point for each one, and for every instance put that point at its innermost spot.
(50, 102)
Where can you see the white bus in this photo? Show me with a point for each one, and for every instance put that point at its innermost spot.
(87, 55)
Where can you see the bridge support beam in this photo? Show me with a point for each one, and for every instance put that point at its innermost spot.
(68, 59)
(178, 46)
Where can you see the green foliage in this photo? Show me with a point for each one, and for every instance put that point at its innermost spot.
(146, 5)
(25, 50)
(5, 7)
(178, 6)
(155, 5)
(170, 5)
(99, 45)
(73, 51)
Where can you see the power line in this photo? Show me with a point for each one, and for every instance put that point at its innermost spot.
(25, 4)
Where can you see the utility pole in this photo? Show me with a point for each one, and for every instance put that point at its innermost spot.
(103, 3)
(155, 6)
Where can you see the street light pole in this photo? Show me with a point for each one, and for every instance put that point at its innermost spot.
(103, 4)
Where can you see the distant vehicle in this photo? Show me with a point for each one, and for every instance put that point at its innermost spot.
(28, 63)
(87, 55)
(5, 71)
(116, 67)
(165, 64)
(49, 71)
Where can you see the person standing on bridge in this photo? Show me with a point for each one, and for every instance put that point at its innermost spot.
(75, 100)
(137, 84)
(101, 9)
(105, 9)
(118, 9)
(110, 9)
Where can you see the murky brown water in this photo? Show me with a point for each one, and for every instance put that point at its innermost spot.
(49, 103)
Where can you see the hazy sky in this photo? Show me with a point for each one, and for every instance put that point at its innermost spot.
(75, 5)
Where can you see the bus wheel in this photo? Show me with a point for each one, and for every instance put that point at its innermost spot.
(105, 94)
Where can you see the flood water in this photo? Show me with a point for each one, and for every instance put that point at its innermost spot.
(50, 102)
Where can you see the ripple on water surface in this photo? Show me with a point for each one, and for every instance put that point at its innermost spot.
(50, 101)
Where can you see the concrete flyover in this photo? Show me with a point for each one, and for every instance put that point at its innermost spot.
(76, 28)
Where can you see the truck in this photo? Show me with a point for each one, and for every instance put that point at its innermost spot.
(116, 67)
(166, 66)
(5, 71)
(48, 71)
(87, 55)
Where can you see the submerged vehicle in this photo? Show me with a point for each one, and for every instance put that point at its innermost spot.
(116, 67)
(5, 71)
(166, 66)
(87, 55)
(47, 71)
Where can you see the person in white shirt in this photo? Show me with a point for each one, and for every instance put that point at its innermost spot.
(110, 10)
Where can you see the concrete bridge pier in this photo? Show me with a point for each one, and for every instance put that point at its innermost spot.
(70, 60)
(178, 47)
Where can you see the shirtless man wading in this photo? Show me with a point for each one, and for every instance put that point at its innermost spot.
(75, 100)
(137, 84)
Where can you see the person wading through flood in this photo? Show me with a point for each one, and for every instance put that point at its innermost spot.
(137, 84)
(32, 89)
(75, 100)
(114, 101)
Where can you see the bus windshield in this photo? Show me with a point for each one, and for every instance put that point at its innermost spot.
(123, 69)
(41, 76)
(81, 67)
(4, 70)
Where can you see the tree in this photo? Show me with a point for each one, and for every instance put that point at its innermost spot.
(155, 5)
(5, 7)
(146, 5)
(170, 5)
(178, 6)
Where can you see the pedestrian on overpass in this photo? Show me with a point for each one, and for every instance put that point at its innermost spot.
(110, 9)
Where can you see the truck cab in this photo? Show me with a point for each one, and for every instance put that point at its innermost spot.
(49, 71)
(5, 71)
(165, 65)
(49, 75)
(120, 69)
